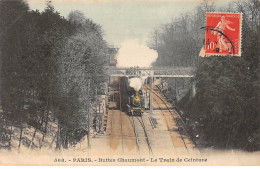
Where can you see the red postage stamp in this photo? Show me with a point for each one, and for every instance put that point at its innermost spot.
(223, 34)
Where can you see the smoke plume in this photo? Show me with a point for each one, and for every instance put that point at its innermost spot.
(132, 53)
(136, 83)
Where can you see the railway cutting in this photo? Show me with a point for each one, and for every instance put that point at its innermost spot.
(131, 128)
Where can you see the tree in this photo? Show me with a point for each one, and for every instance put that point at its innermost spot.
(13, 86)
(179, 42)
(227, 98)
(30, 71)
(82, 58)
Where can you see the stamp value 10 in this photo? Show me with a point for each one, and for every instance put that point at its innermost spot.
(223, 34)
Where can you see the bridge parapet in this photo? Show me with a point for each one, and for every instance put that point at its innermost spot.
(152, 71)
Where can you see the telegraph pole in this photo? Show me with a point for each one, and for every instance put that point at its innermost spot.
(150, 95)
(88, 104)
(99, 118)
(119, 97)
(176, 92)
(96, 102)
(95, 118)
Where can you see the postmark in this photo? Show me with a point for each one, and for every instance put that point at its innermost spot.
(223, 34)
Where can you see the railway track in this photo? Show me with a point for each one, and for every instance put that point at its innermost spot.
(136, 137)
(141, 135)
(178, 121)
(137, 123)
(130, 132)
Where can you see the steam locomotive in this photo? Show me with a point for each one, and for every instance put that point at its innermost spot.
(135, 105)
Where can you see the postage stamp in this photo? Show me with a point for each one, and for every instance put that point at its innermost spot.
(223, 34)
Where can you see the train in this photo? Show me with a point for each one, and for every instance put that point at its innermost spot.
(135, 104)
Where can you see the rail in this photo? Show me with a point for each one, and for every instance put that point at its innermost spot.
(180, 128)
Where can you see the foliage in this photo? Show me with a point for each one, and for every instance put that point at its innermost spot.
(222, 102)
(227, 90)
(81, 59)
(36, 83)
(179, 42)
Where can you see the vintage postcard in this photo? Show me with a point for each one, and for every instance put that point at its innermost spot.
(129, 82)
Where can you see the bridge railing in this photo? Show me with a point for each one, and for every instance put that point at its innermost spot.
(152, 71)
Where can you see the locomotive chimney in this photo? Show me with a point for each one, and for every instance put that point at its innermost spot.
(137, 93)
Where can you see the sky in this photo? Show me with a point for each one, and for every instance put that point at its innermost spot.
(128, 19)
